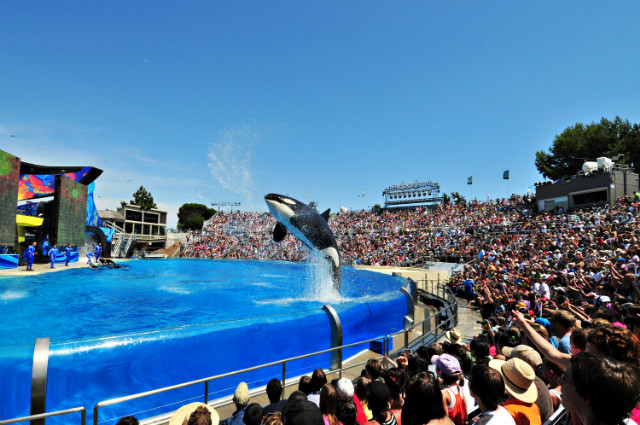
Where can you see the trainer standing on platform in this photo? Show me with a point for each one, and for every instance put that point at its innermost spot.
(67, 251)
(53, 253)
(30, 254)
(98, 250)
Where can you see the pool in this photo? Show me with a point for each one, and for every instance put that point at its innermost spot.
(156, 323)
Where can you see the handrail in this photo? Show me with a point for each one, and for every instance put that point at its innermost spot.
(224, 375)
(83, 416)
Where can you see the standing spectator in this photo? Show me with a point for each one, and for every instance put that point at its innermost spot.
(562, 323)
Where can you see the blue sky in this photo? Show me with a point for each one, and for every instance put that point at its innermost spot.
(204, 101)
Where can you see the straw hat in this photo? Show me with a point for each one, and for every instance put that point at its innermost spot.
(528, 354)
(181, 416)
(518, 378)
(453, 335)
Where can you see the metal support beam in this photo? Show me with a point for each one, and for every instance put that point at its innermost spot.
(411, 303)
(336, 337)
(39, 379)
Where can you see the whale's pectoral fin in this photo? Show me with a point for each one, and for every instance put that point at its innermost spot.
(325, 215)
(279, 232)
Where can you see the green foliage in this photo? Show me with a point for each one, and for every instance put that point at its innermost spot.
(376, 209)
(458, 199)
(581, 143)
(192, 216)
(314, 205)
(446, 199)
(143, 199)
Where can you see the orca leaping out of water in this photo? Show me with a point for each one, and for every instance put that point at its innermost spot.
(308, 226)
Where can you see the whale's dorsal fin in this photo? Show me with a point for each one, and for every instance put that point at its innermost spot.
(325, 215)
(279, 232)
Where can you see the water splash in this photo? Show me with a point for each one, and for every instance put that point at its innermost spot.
(230, 159)
(320, 287)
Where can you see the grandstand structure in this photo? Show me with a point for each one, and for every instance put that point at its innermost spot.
(408, 194)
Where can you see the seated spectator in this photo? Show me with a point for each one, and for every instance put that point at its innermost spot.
(533, 359)
(599, 389)
(487, 387)
(128, 420)
(273, 418)
(452, 394)
(274, 392)
(362, 385)
(305, 385)
(379, 398)
(423, 402)
(195, 414)
(373, 369)
(347, 391)
(302, 412)
(551, 373)
(347, 412)
(318, 380)
(253, 414)
(296, 395)
(395, 379)
(329, 404)
(519, 380)
(241, 400)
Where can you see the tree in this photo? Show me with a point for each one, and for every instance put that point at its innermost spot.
(314, 205)
(581, 143)
(446, 199)
(458, 199)
(193, 216)
(376, 209)
(143, 199)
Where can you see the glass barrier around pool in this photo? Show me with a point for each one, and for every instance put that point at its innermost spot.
(431, 328)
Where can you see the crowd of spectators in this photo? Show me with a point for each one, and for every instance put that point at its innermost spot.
(388, 238)
(560, 305)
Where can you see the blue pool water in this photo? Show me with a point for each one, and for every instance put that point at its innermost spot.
(151, 324)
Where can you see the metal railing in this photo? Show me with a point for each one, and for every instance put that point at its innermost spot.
(82, 410)
(436, 288)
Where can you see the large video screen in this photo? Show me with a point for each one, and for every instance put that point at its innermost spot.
(9, 176)
(70, 212)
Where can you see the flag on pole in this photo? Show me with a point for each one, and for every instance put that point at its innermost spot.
(470, 180)
(505, 175)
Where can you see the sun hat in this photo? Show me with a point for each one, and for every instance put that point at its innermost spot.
(518, 378)
(345, 388)
(453, 335)
(181, 416)
(448, 364)
(507, 351)
(528, 354)
(241, 395)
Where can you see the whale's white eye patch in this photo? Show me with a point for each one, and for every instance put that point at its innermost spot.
(289, 201)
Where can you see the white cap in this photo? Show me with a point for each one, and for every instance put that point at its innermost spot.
(345, 388)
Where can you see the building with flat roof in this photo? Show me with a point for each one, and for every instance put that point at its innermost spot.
(146, 227)
(582, 190)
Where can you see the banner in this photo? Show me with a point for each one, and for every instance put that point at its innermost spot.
(505, 175)
(470, 180)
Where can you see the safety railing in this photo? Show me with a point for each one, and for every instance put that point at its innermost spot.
(435, 332)
(42, 416)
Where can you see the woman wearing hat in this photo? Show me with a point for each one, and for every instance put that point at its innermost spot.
(519, 381)
(453, 398)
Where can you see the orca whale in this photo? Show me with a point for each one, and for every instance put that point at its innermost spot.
(307, 225)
